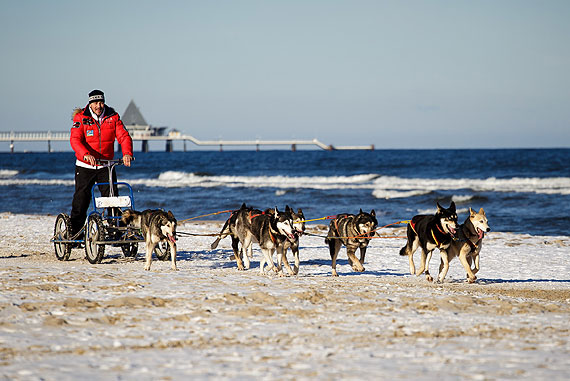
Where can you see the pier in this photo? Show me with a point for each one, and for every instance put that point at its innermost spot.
(52, 136)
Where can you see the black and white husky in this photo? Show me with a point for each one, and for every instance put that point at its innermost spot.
(353, 231)
(430, 232)
(248, 225)
(157, 226)
(298, 230)
(270, 229)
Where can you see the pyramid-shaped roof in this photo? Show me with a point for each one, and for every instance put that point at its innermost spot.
(133, 116)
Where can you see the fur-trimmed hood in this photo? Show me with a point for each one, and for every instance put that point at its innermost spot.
(76, 111)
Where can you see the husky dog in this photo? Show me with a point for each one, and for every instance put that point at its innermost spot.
(230, 229)
(430, 232)
(269, 229)
(468, 245)
(298, 231)
(354, 231)
(157, 226)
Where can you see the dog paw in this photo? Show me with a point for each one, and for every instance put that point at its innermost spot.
(357, 266)
(334, 273)
(429, 278)
(174, 268)
(147, 268)
(471, 280)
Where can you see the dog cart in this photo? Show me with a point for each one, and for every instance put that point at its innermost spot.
(103, 226)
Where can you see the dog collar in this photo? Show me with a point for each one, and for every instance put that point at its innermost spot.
(438, 228)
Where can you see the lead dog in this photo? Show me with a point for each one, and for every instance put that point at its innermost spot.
(354, 231)
(468, 245)
(157, 226)
(430, 232)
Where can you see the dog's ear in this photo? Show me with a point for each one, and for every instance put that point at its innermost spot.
(373, 213)
(288, 209)
(243, 206)
(170, 214)
(360, 211)
(299, 211)
(276, 211)
(439, 208)
(481, 211)
(471, 212)
(452, 206)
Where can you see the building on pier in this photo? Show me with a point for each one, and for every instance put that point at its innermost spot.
(138, 127)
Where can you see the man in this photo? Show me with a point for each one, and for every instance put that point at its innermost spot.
(93, 135)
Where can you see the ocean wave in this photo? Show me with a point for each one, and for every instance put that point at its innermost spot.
(550, 185)
(5, 173)
(390, 193)
(50, 182)
(176, 179)
(382, 187)
(459, 199)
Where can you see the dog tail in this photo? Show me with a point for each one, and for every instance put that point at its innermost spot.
(215, 243)
(223, 234)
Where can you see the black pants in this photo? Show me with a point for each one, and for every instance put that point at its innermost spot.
(85, 178)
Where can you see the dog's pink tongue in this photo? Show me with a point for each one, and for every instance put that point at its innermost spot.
(481, 233)
(171, 238)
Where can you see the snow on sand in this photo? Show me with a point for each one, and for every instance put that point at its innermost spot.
(73, 320)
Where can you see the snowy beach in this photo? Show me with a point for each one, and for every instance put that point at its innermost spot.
(73, 320)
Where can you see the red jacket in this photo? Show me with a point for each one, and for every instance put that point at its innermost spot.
(98, 138)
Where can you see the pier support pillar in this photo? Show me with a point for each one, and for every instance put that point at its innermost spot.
(294, 147)
(184, 145)
(144, 146)
(49, 146)
(169, 146)
(11, 146)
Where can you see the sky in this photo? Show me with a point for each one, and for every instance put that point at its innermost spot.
(396, 74)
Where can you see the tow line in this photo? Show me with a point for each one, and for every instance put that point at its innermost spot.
(310, 234)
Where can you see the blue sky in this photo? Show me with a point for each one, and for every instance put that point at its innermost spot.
(396, 74)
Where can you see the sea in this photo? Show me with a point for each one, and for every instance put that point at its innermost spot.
(523, 191)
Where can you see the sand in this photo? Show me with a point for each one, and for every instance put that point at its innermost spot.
(74, 320)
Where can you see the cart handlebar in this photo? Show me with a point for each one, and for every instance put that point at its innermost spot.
(110, 162)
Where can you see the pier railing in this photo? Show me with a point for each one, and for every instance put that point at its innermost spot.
(49, 136)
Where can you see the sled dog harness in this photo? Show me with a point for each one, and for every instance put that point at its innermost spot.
(340, 235)
(413, 226)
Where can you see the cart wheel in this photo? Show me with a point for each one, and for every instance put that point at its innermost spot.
(130, 249)
(62, 231)
(94, 251)
(162, 251)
